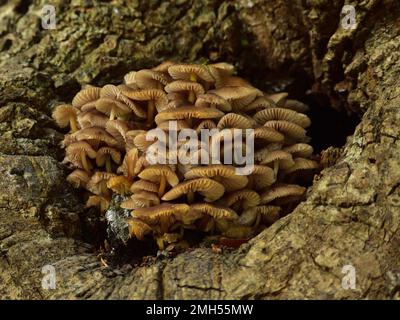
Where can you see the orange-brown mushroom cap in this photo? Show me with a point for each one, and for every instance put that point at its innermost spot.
(210, 189)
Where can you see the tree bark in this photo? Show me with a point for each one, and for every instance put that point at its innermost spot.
(351, 215)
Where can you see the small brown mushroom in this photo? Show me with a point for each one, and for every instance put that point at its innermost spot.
(188, 112)
(84, 99)
(282, 114)
(92, 118)
(151, 79)
(94, 136)
(224, 174)
(162, 215)
(155, 98)
(210, 189)
(66, 115)
(190, 72)
(253, 216)
(213, 101)
(78, 178)
(194, 89)
(281, 191)
(144, 185)
(101, 202)
(289, 129)
(161, 174)
(244, 199)
(98, 183)
(129, 163)
(138, 228)
(237, 121)
(105, 155)
(119, 184)
(78, 152)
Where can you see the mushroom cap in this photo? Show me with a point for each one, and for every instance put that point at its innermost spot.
(289, 129)
(131, 204)
(158, 96)
(248, 198)
(184, 71)
(268, 134)
(282, 114)
(180, 124)
(105, 105)
(301, 164)
(269, 215)
(74, 150)
(98, 182)
(92, 118)
(259, 104)
(162, 215)
(281, 191)
(279, 98)
(98, 201)
(85, 96)
(263, 176)
(239, 97)
(151, 79)
(226, 173)
(138, 228)
(163, 66)
(118, 130)
(78, 178)
(210, 189)
(144, 185)
(62, 114)
(130, 79)
(151, 197)
(265, 156)
(205, 124)
(215, 211)
(296, 106)
(219, 71)
(212, 100)
(188, 112)
(119, 184)
(112, 92)
(154, 173)
(235, 120)
(102, 154)
(184, 86)
(95, 135)
(302, 150)
(129, 163)
(140, 139)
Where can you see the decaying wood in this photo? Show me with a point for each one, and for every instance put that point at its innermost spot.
(351, 215)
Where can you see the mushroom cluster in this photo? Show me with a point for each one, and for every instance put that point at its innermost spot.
(108, 146)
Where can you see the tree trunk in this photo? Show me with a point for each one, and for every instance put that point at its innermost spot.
(351, 215)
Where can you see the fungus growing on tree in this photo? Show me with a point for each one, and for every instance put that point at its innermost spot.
(108, 147)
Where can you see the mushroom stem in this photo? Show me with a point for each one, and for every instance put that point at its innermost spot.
(163, 183)
(258, 220)
(193, 77)
(191, 97)
(276, 168)
(73, 124)
(190, 197)
(108, 164)
(130, 168)
(84, 161)
(150, 112)
(112, 114)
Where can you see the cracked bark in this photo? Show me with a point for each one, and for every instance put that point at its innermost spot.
(351, 215)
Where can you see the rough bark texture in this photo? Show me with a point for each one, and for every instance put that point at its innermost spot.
(352, 211)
